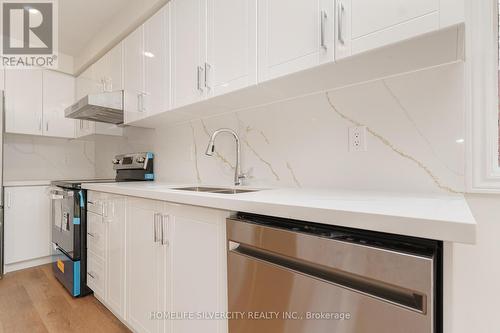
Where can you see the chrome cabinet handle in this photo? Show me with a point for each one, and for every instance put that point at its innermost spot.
(156, 222)
(139, 102)
(40, 124)
(9, 200)
(207, 68)
(198, 77)
(340, 22)
(105, 209)
(165, 219)
(47, 126)
(91, 234)
(92, 275)
(323, 17)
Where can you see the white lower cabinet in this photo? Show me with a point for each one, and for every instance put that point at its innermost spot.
(106, 249)
(115, 291)
(146, 266)
(27, 227)
(197, 270)
(175, 263)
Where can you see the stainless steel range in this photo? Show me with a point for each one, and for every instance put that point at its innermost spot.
(69, 219)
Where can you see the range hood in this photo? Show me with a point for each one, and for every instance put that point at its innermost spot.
(104, 107)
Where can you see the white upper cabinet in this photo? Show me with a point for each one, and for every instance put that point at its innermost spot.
(104, 75)
(214, 48)
(23, 101)
(371, 16)
(147, 68)
(99, 80)
(157, 62)
(188, 51)
(58, 94)
(107, 71)
(35, 101)
(293, 36)
(113, 70)
(232, 45)
(365, 24)
(133, 74)
(85, 83)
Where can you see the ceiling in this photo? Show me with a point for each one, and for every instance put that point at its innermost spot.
(81, 20)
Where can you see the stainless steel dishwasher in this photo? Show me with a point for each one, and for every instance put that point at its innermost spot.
(295, 277)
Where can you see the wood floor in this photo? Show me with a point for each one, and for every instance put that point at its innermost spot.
(32, 300)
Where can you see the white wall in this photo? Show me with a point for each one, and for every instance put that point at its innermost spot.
(41, 158)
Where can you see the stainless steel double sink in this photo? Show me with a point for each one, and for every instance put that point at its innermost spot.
(217, 190)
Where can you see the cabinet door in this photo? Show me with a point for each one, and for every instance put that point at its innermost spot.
(232, 45)
(293, 36)
(133, 75)
(343, 34)
(198, 267)
(115, 294)
(23, 101)
(157, 62)
(58, 94)
(378, 23)
(99, 76)
(27, 223)
(188, 51)
(114, 71)
(96, 234)
(145, 269)
(84, 83)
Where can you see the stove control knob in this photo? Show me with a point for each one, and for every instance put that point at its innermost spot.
(115, 161)
(140, 159)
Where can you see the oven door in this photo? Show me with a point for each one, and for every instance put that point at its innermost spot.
(64, 221)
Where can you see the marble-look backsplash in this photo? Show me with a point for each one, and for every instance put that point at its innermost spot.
(41, 158)
(415, 139)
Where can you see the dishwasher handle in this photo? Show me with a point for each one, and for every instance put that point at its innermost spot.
(395, 295)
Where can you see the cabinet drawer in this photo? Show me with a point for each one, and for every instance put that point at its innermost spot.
(94, 203)
(96, 234)
(96, 275)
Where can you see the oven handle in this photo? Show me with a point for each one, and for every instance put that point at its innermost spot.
(57, 194)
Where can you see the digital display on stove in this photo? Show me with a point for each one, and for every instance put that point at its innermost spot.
(127, 160)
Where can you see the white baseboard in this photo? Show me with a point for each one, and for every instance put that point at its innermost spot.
(27, 264)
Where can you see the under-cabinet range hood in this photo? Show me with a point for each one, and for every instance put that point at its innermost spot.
(104, 107)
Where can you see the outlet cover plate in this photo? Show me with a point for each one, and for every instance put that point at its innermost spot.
(357, 139)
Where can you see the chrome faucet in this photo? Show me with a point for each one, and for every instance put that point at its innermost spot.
(238, 175)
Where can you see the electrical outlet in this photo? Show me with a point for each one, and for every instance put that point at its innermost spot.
(357, 138)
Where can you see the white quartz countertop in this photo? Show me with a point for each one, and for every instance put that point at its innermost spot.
(440, 217)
